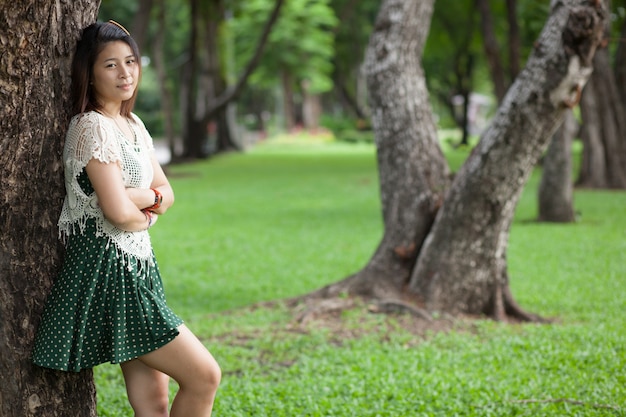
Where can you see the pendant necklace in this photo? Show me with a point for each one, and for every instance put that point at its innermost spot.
(134, 138)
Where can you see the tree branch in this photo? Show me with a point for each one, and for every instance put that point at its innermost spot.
(232, 92)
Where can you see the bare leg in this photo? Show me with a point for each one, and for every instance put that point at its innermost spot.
(147, 389)
(198, 375)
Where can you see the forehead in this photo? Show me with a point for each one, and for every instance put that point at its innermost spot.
(115, 50)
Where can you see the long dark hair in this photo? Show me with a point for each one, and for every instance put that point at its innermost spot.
(91, 43)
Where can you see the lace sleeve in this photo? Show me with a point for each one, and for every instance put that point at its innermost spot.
(90, 136)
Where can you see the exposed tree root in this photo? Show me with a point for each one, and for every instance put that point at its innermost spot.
(324, 307)
(397, 306)
(383, 298)
(514, 310)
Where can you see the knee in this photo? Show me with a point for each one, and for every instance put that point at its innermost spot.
(207, 380)
(212, 377)
(151, 400)
(161, 406)
(154, 402)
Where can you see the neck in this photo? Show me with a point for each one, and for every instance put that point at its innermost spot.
(111, 110)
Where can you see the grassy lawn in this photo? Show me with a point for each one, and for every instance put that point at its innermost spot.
(286, 218)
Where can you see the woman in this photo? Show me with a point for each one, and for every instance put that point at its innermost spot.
(107, 304)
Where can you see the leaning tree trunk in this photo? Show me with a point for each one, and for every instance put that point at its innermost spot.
(37, 41)
(556, 191)
(462, 267)
(458, 263)
(413, 172)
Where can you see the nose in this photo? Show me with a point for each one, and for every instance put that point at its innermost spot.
(125, 73)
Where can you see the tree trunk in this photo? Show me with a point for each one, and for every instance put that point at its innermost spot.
(289, 112)
(462, 267)
(492, 50)
(167, 109)
(193, 135)
(412, 169)
(593, 166)
(311, 108)
(38, 40)
(141, 22)
(465, 87)
(556, 191)
(458, 263)
(345, 97)
(620, 64)
(515, 40)
(216, 84)
(604, 129)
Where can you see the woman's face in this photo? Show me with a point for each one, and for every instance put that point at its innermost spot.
(115, 74)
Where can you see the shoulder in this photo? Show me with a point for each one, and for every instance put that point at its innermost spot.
(91, 119)
(91, 135)
(137, 120)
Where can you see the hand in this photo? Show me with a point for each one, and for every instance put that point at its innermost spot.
(152, 216)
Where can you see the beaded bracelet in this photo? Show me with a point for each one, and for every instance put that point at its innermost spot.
(158, 199)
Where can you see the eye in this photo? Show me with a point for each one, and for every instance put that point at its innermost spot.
(131, 61)
(111, 65)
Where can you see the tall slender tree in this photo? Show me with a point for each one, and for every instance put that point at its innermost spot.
(206, 93)
(38, 39)
(492, 49)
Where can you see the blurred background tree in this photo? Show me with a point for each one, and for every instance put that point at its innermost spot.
(309, 71)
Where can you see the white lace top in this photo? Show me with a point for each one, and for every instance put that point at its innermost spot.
(92, 135)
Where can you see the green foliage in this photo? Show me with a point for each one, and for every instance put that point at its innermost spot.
(301, 42)
(454, 57)
(121, 11)
(288, 218)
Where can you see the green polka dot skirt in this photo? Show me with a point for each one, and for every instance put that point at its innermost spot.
(103, 307)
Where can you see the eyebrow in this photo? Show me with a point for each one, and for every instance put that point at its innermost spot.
(115, 59)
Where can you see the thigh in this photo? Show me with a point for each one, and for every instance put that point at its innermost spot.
(185, 359)
(147, 388)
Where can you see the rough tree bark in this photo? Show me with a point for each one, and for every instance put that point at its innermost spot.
(556, 191)
(458, 263)
(462, 267)
(412, 169)
(37, 40)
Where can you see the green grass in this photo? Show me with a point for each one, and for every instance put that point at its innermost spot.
(287, 218)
